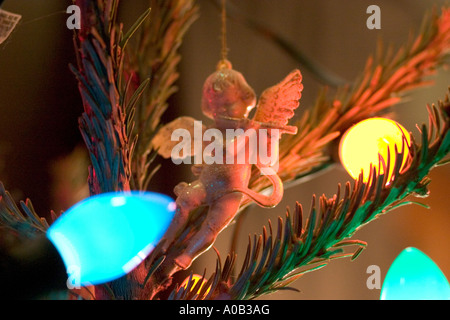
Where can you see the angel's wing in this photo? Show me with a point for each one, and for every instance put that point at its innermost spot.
(170, 135)
(278, 103)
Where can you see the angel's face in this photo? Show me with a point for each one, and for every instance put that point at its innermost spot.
(227, 94)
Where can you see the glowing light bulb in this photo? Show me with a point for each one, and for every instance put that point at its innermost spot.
(414, 276)
(362, 144)
(195, 278)
(105, 236)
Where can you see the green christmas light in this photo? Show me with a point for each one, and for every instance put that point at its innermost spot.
(414, 276)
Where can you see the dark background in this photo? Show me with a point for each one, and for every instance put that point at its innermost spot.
(42, 157)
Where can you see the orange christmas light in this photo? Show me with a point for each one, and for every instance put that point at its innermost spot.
(363, 143)
(195, 278)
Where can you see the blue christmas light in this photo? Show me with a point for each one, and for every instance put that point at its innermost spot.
(414, 276)
(106, 236)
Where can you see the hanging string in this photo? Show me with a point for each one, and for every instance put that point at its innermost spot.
(224, 63)
(224, 31)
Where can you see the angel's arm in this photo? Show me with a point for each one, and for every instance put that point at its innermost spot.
(281, 128)
(246, 123)
(232, 123)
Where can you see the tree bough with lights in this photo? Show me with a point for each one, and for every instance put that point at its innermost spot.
(125, 80)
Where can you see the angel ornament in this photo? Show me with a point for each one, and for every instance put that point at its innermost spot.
(224, 172)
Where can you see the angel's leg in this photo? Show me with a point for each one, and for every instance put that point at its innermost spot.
(220, 213)
(189, 197)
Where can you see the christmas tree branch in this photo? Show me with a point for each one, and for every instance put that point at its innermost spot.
(273, 261)
(154, 57)
(102, 124)
(24, 220)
